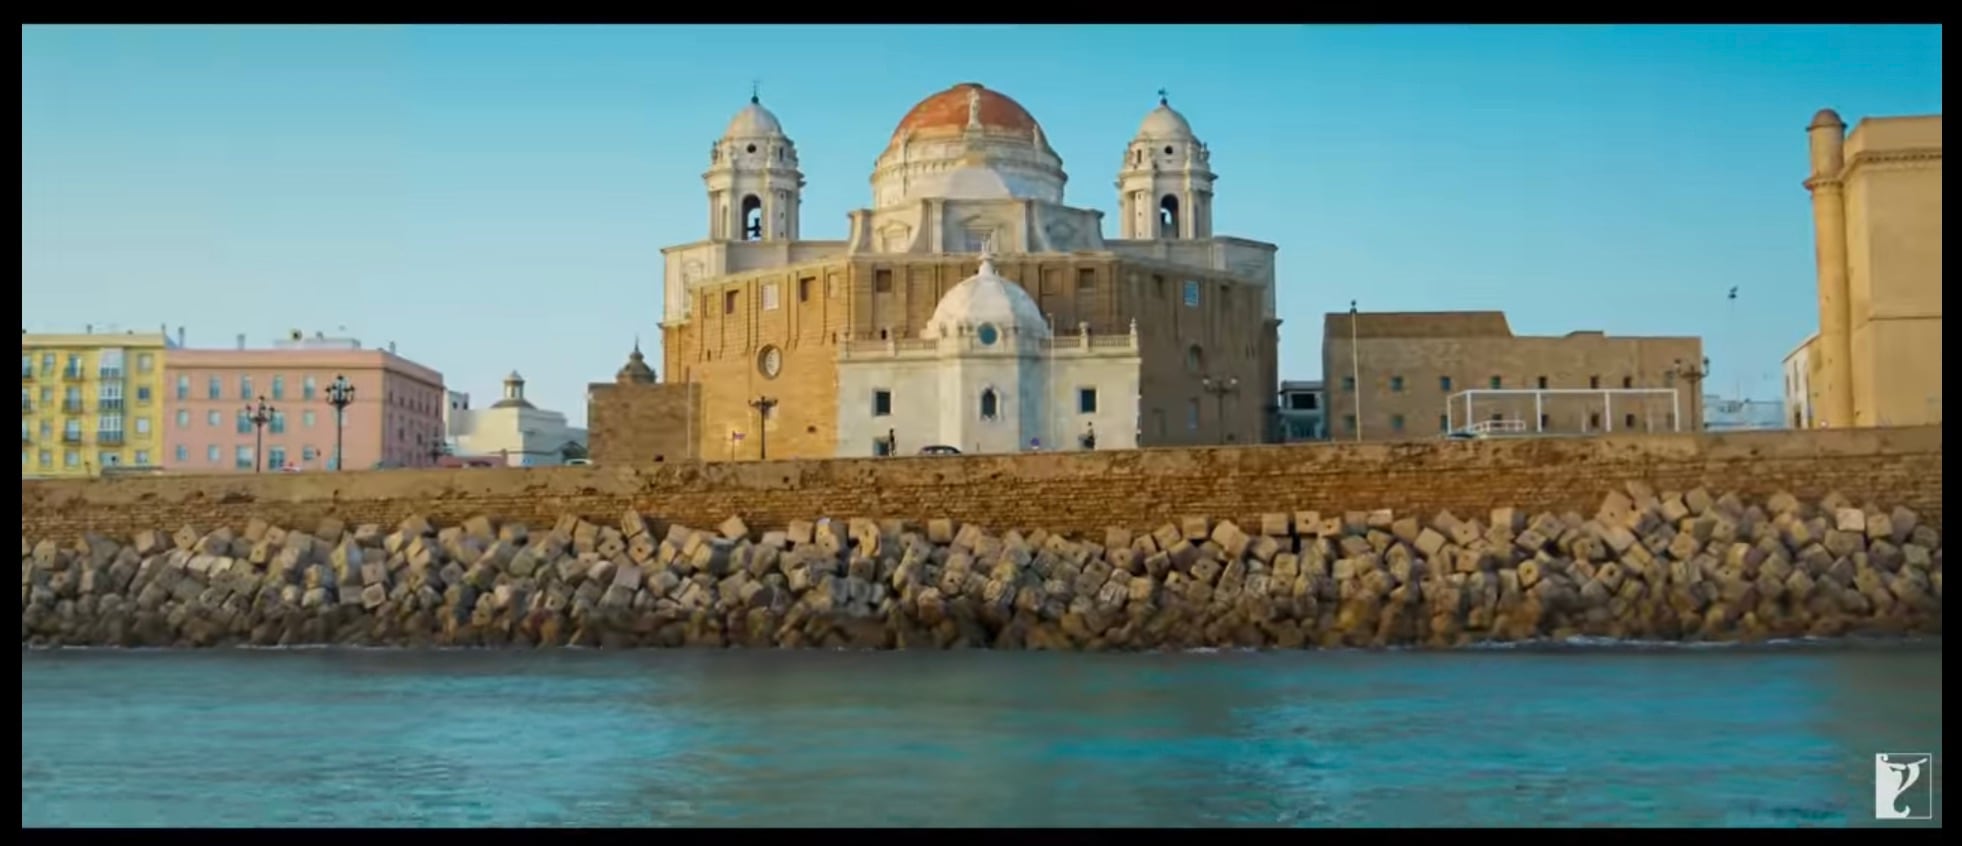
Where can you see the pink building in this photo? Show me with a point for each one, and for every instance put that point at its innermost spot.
(396, 419)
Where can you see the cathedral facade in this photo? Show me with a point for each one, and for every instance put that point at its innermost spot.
(970, 307)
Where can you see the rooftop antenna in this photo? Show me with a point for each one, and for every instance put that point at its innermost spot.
(755, 90)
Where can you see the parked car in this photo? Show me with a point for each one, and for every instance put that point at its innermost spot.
(939, 449)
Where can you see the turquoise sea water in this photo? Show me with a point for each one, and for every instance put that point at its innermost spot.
(1699, 737)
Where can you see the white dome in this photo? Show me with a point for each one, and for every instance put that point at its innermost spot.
(975, 182)
(988, 306)
(1164, 122)
(753, 121)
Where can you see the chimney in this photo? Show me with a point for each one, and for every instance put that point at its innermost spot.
(180, 336)
(391, 347)
(241, 340)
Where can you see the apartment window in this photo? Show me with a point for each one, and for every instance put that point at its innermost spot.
(307, 387)
(109, 397)
(26, 366)
(1546, 422)
(276, 457)
(71, 458)
(1628, 381)
(1444, 384)
(1195, 359)
(242, 457)
(183, 419)
(770, 293)
(881, 403)
(142, 458)
(1594, 422)
(306, 418)
(215, 388)
(804, 289)
(1158, 287)
(1396, 423)
(1086, 400)
(47, 395)
(881, 281)
(71, 430)
(1444, 422)
(183, 453)
(1349, 423)
(1349, 384)
(279, 387)
(881, 447)
(47, 430)
(143, 425)
(245, 387)
(145, 362)
(71, 400)
(1542, 383)
(1191, 294)
(277, 423)
(729, 302)
(1594, 382)
(45, 458)
(109, 363)
(1628, 421)
(183, 387)
(990, 404)
(1396, 384)
(74, 368)
(211, 453)
(1086, 280)
(108, 459)
(1498, 383)
(308, 454)
(213, 418)
(26, 401)
(1192, 415)
(143, 394)
(244, 423)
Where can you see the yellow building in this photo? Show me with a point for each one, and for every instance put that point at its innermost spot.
(1877, 218)
(90, 401)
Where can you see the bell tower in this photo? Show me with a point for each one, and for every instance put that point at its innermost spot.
(755, 190)
(1165, 187)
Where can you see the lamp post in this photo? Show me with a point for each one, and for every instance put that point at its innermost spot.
(763, 405)
(340, 395)
(260, 415)
(1694, 374)
(1219, 388)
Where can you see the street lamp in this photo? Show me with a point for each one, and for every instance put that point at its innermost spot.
(1219, 388)
(260, 415)
(340, 395)
(763, 405)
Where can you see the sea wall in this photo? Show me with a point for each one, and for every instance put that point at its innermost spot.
(1645, 565)
(1078, 493)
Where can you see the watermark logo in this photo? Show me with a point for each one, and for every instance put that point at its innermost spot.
(1904, 786)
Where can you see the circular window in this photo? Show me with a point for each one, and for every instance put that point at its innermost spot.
(752, 148)
(1168, 149)
(769, 362)
(988, 334)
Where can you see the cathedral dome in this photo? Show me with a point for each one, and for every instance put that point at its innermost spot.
(967, 142)
(986, 306)
(753, 121)
(1165, 122)
(950, 111)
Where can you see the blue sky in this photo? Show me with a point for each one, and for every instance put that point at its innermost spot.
(495, 198)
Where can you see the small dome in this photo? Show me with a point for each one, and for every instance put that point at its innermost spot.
(1164, 122)
(987, 305)
(753, 121)
(1826, 117)
(635, 371)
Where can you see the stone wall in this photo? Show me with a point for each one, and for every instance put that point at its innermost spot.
(639, 424)
(1079, 493)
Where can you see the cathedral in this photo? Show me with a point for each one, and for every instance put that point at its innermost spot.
(970, 307)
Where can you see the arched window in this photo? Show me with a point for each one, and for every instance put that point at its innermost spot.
(1195, 359)
(990, 404)
(1168, 217)
(752, 218)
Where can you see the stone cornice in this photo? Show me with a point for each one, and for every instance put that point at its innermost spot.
(1904, 158)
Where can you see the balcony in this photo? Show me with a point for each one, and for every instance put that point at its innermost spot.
(109, 404)
(71, 374)
(27, 406)
(110, 374)
(27, 374)
(108, 437)
(26, 437)
(71, 406)
(71, 436)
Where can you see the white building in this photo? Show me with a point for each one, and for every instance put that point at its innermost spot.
(988, 375)
(1798, 384)
(1301, 412)
(513, 429)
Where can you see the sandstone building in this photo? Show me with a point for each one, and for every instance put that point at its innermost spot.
(1877, 222)
(1393, 375)
(1164, 335)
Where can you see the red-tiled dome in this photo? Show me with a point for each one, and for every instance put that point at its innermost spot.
(948, 111)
